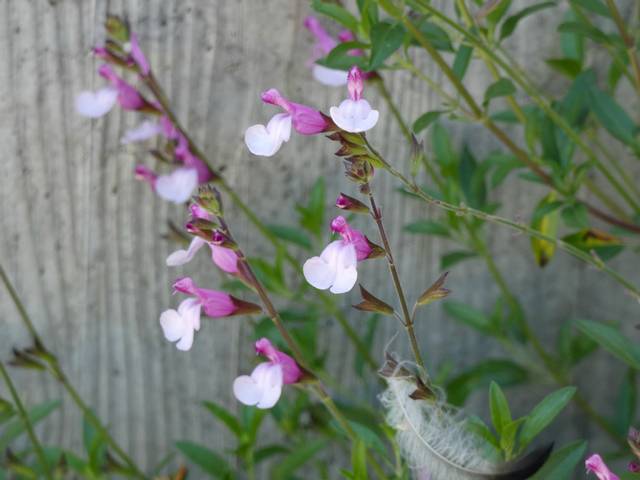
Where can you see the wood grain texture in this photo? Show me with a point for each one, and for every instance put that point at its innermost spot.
(84, 243)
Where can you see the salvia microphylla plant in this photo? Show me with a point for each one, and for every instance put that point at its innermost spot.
(420, 431)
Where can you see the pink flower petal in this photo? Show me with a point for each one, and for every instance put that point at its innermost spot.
(178, 186)
(96, 104)
(180, 257)
(354, 116)
(596, 465)
(138, 56)
(225, 258)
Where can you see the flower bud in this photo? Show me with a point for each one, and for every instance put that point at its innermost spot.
(117, 28)
(358, 169)
(222, 240)
(202, 228)
(435, 291)
(350, 204)
(209, 199)
(370, 303)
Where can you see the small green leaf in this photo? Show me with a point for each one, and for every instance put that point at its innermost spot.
(499, 407)
(469, 316)
(462, 60)
(340, 58)
(595, 6)
(428, 227)
(425, 120)
(498, 11)
(269, 451)
(338, 13)
(290, 234)
(545, 220)
(544, 413)
(476, 426)
(359, 461)
(612, 340)
(225, 417)
(612, 116)
(576, 215)
(206, 459)
(511, 23)
(444, 153)
(16, 427)
(583, 30)
(292, 462)
(437, 36)
(501, 88)
(504, 372)
(508, 436)
(385, 40)
(450, 259)
(566, 66)
(563, 462)
(626, 403)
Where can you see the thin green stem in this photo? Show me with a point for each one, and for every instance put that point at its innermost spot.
(56, 371)
(408, 318)
(382, 88)
(628, 40)
(42, 458)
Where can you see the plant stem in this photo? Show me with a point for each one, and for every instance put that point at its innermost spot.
(162, 98)
(408, 319)
(56, 371)
(628, 41)
(382, 88)
(25, 420)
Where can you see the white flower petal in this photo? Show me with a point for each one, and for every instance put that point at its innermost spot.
(345, 280)
(354, 116)
(180, 257)
(269, 378)
(96, 104)
(186, 342)
(329, 76)
(319, 273)
(246, 390)
(266, 141)
(144, 131)
(178, 186)
(190, 311)
(173, 325)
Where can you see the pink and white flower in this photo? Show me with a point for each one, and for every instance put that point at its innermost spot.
(354, 114)
(180, 325)
(98, 103)
(266, 140)
(335, 268)
(137, 55)
(225, 258)
(175, 187)
(595, 464)
(264, 386)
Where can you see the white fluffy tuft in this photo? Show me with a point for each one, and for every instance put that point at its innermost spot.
(433, 437)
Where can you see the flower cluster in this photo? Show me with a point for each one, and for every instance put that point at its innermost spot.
(123, 50)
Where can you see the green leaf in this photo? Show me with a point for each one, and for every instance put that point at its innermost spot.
(572, 45)
(225, 417)
(498, 11)
(544, 413)
(471, 179)
(504, 372)
(450, 259)
(338, 13)
(612, 340)
(563, 462)
(470, 316)
(16, 427)
(545, 220)
(269, 451)
(6, 410)
(566, 66)
(437, 36)
(499, 407)
(206, 459)
(442, 148)
(290, 234)
(626, 402)
(301, 455)
(340, 57)
(94, 443)
(312, 214)
(425, 120)
(476, 426)
(595, 6)
(509, 435)
(385, 40)
(501, 88)
(576, 215)
(359, 461)
(612, 116)
(511, 23)
(462, 60)
(427, 227)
